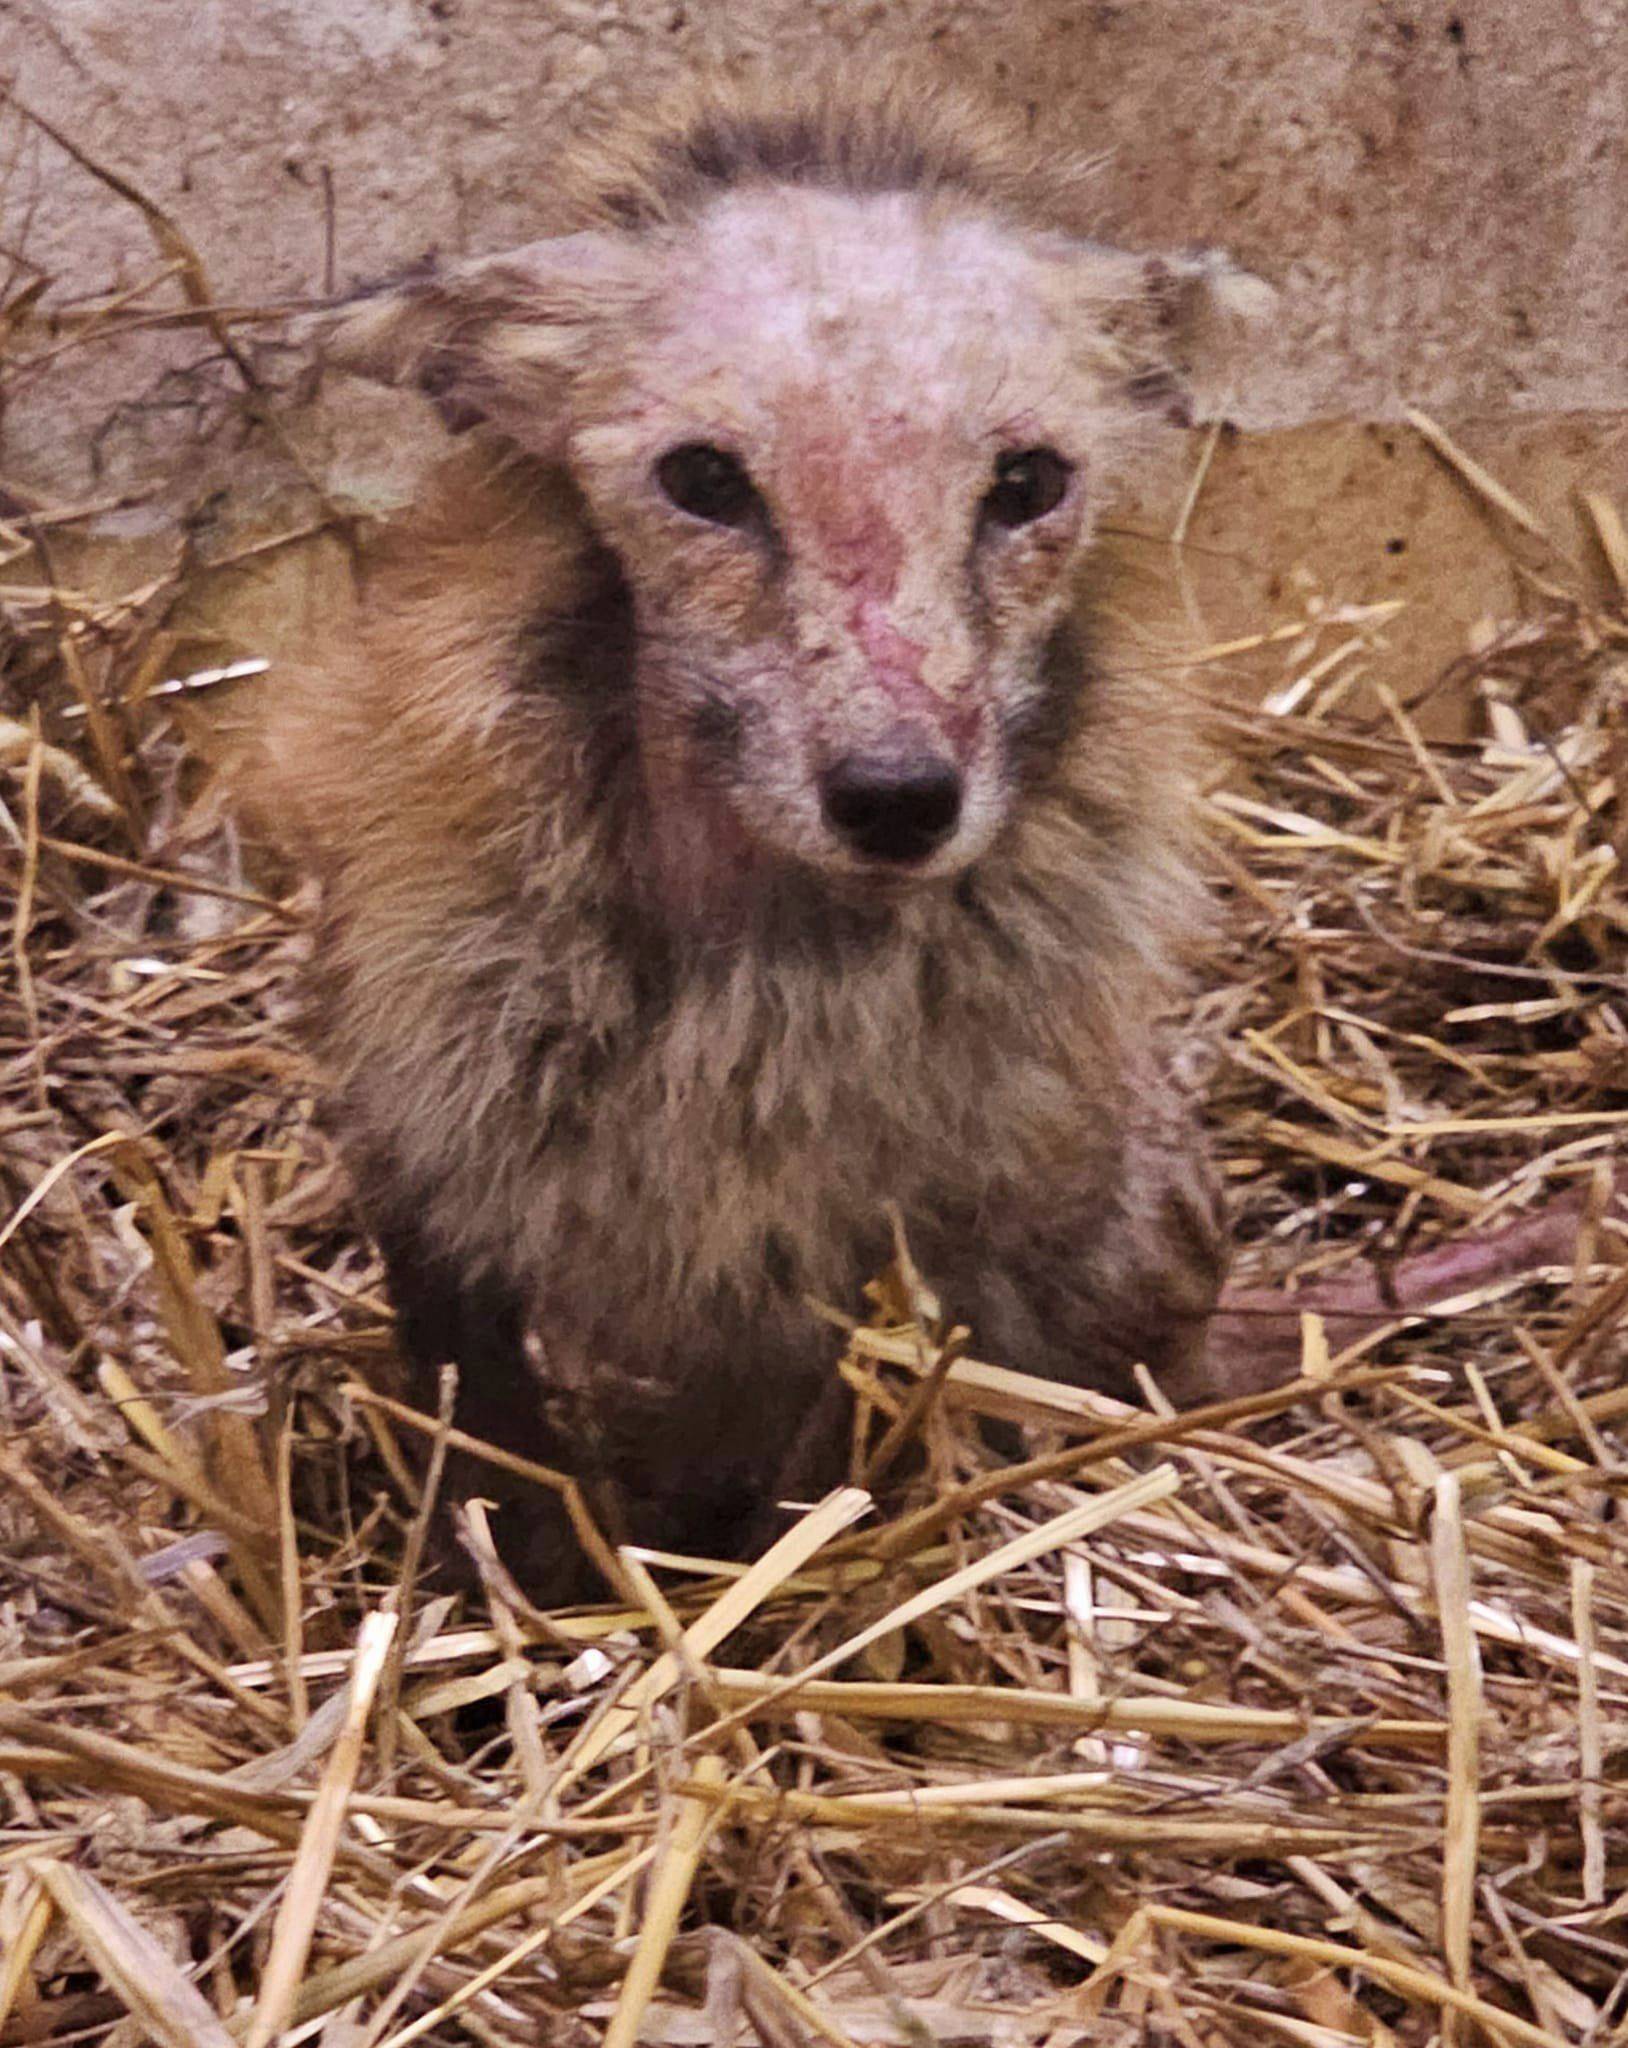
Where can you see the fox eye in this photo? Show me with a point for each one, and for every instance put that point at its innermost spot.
(708, 483)
(1029, 482)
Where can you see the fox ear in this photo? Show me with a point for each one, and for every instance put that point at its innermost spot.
(1171, 322)
(1199, 303)
(495, 342)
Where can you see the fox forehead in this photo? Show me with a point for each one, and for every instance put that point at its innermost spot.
(793, 319)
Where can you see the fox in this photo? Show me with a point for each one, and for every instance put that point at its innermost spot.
(734, 820)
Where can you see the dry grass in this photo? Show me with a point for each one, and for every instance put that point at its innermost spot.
(1296, 1719)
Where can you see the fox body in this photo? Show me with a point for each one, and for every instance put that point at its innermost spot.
(729, 819)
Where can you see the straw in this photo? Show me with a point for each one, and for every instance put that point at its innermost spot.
(1296, 1714)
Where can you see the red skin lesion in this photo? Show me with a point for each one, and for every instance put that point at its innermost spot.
(839, 526)
(895, 663)
(831, 480)
(893, 657)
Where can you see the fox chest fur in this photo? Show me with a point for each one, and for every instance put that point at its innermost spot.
(727, 830)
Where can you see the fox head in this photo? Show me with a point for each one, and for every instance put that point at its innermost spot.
(843, 409)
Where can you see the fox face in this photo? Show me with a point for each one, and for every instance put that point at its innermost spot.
(849, 459)
(845, 447)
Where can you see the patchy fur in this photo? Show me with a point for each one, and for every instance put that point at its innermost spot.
(629, 1050)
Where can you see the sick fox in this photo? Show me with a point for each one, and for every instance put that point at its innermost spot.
(732, 816)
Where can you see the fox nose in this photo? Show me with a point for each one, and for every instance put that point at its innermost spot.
(892, 807)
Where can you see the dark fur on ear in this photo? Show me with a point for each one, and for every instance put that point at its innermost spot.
(489, 342)
(1178, 322)
(1199, 300)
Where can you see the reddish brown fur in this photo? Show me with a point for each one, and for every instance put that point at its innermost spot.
(627, 1067)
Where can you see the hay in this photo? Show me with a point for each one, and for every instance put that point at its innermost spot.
(1296, 1718)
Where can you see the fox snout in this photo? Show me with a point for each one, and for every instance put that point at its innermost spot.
(895, 806)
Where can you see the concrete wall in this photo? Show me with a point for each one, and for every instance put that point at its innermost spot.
(1437, 188)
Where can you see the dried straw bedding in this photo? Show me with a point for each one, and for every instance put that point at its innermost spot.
(1299, 1719)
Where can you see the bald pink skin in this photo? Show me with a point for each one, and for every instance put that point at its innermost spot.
(848, 531)
(867, 360)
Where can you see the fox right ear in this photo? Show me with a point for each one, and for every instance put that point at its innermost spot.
(1184, 324)
(1171, 322)
(1200, 302)
(495, 342)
